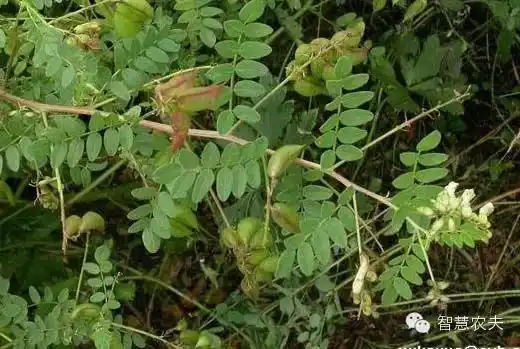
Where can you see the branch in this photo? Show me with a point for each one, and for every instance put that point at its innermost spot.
(197, 133)
(42, 107)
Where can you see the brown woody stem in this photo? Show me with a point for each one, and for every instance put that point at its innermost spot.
(197, 133)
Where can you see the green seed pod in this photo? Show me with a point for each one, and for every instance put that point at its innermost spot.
(317, 67)
(229, 237)
(204, 341)
(189, 337)
(367, 304)
(269, 265)
(414, 9)
(319, 44)
(92, 221)
(358, 55)
(256, 257)
(72, 224)
(303, 54)
(246, 228)
(262, 276)
(91, 28)
(328, 72)
(347, 38)
(308, 88)
(282, 158)
(261, 240)
(86, 311)
(286, 217)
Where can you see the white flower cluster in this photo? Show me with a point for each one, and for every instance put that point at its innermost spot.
(451, 209)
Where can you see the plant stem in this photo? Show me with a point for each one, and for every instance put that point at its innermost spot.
(408, 123)
(59, 187)
(86, 8)
(193, 301)
(82, 271)
(144, 333)
(5, 337)
(96, 182)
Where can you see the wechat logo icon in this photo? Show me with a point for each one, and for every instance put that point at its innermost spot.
(415, 321)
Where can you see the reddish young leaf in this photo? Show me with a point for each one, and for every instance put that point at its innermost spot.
(199, 98)
(180, 127)
(167, 92)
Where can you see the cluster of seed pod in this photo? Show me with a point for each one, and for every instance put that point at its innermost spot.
(199, 339)
(250, 243)
(89, 222)
(313, 63)
(365, 276)
(86, 36)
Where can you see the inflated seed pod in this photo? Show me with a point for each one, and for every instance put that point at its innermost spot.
(261, 239)
(246, 228)
(262, 276)
(92, 221)
(189, 337)
(282, 158)
(328, 72)
(322, 47)
(319, 44)
(256, 257)
(303, 54)
(86, 312)
(88, 28)
(367, 304)
(308, 88)
(204, 341)
(286, 217)
(229, 237)
(359, 55)
(269, 264)
(347, 38)
(72, 224)
(317, 67)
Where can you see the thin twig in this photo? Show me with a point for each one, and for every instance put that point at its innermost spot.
(207, 134)
(82, 271)
(96, 182)
(504, 249)
(146, 334)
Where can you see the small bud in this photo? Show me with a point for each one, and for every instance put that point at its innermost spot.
(453, 204)
(426, 211)
(451, 224)
(440, 205)
(486, 210)
(467, 196)
(466, 211)
(451, 188)
(437, 225)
